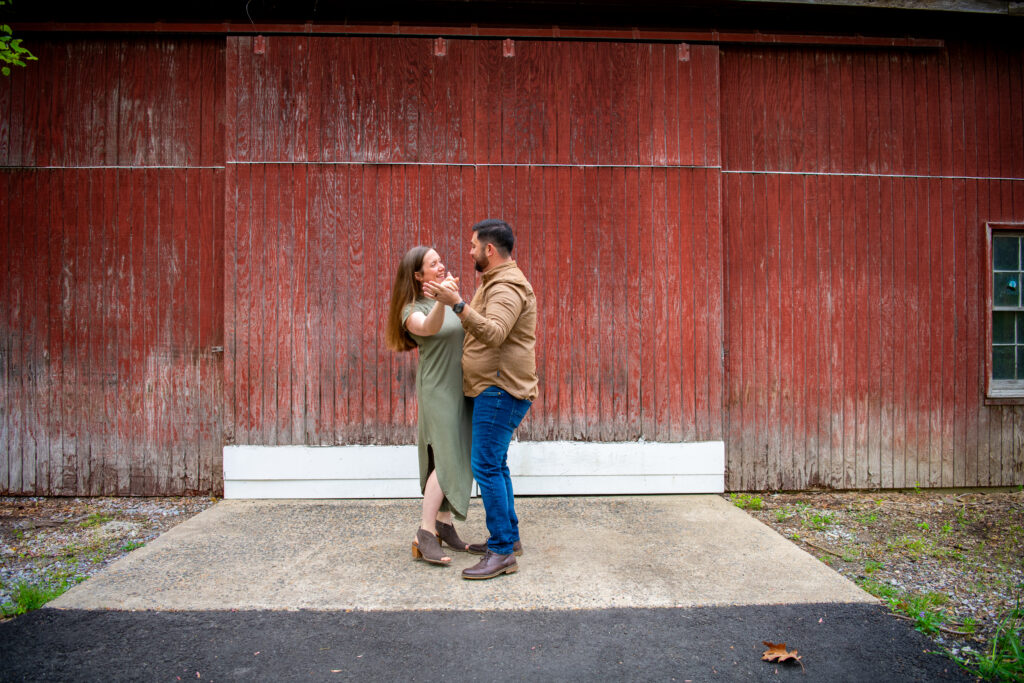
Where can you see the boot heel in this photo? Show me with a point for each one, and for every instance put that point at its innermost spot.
(427, 548)
(513, 569)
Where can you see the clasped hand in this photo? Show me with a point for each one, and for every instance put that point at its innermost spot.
(446, 292)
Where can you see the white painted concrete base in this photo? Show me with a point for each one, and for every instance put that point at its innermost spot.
(537, 467)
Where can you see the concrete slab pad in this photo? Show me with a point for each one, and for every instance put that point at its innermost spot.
(581, 553)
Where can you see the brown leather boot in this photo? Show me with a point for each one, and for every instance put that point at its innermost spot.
(426, 547)
(481, 548)
(446, 532)
(491, 565)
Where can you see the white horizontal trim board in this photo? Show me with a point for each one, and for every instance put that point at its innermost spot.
(537, 467)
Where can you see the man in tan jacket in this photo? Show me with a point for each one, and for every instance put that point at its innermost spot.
(499, 372)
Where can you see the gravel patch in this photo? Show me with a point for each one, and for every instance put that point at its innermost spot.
(952, 559)
(55, 543)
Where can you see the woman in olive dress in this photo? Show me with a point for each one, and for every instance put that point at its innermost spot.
(445, 414)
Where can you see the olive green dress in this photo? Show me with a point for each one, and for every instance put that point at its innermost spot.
(445, 424)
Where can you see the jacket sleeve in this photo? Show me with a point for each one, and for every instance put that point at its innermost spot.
(504, 304)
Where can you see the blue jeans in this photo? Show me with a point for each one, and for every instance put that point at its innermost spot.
(496, 414)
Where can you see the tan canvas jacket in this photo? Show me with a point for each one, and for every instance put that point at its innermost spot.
(500, 324)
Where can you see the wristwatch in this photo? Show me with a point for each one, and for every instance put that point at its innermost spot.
(457, 308)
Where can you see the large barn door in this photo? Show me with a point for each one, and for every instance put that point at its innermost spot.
(111, 327)
(344, 152)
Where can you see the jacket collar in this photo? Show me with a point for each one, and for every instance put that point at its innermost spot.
(497, 270)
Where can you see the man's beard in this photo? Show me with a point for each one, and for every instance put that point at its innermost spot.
(478, 265)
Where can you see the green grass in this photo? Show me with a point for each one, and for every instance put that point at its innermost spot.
(29, 596)
(132, 545)
(878, 589)
(1003, 659)
(924, 608)
(872, 566)
(867, 518)
(746, 501)
(914, 546)
(820, 521)
(95, 519)
(785, 512)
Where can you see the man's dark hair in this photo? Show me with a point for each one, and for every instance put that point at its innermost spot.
(497, 232)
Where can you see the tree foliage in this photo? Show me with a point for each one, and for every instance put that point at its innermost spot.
(11, 51)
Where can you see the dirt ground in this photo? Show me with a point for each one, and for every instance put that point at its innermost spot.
(950, 561)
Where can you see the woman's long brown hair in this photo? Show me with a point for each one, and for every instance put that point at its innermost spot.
(405, 290)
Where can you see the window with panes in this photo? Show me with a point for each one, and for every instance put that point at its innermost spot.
(1007, 313)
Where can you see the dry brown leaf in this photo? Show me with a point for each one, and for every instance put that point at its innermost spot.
(777, 652)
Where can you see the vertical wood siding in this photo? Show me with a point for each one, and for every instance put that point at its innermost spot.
(857, 186)
(164, 198)
(343, 153)
(112, 254)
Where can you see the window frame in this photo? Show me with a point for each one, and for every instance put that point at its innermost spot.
(1004, 391)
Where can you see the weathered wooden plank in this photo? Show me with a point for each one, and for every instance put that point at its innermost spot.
(813, 374)
(659, 116)
(701, 292)
(866, 335)
(322, 235)
(70, 268)
(796, 446)
(237, 107)
(8, 101)
(785, 352)
(833, 369)
(932, 132)
(487, 131)
(943, 197)
(107, 301)
(206, 186)
(922, 363)
(350, 372)
(8, 429)
(660, 310)
(885, 321)
(298, 301)
(901, 305)
(37, 464)
(178, 331)
(866, 87)
(921, 131)
(732, 204)
(988, 113)
(715, 304)
(15, 284)
(767, 85)
(647, 274)
(769, 433)
(607, 339)
(1014, 148)
(691, 302)
(675, 311)
(644, 104)
(126, 436)
(932, 400)
(249, 261)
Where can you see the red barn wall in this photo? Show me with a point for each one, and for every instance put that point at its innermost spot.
(111, 245)
(813, 216)
(856, 190)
